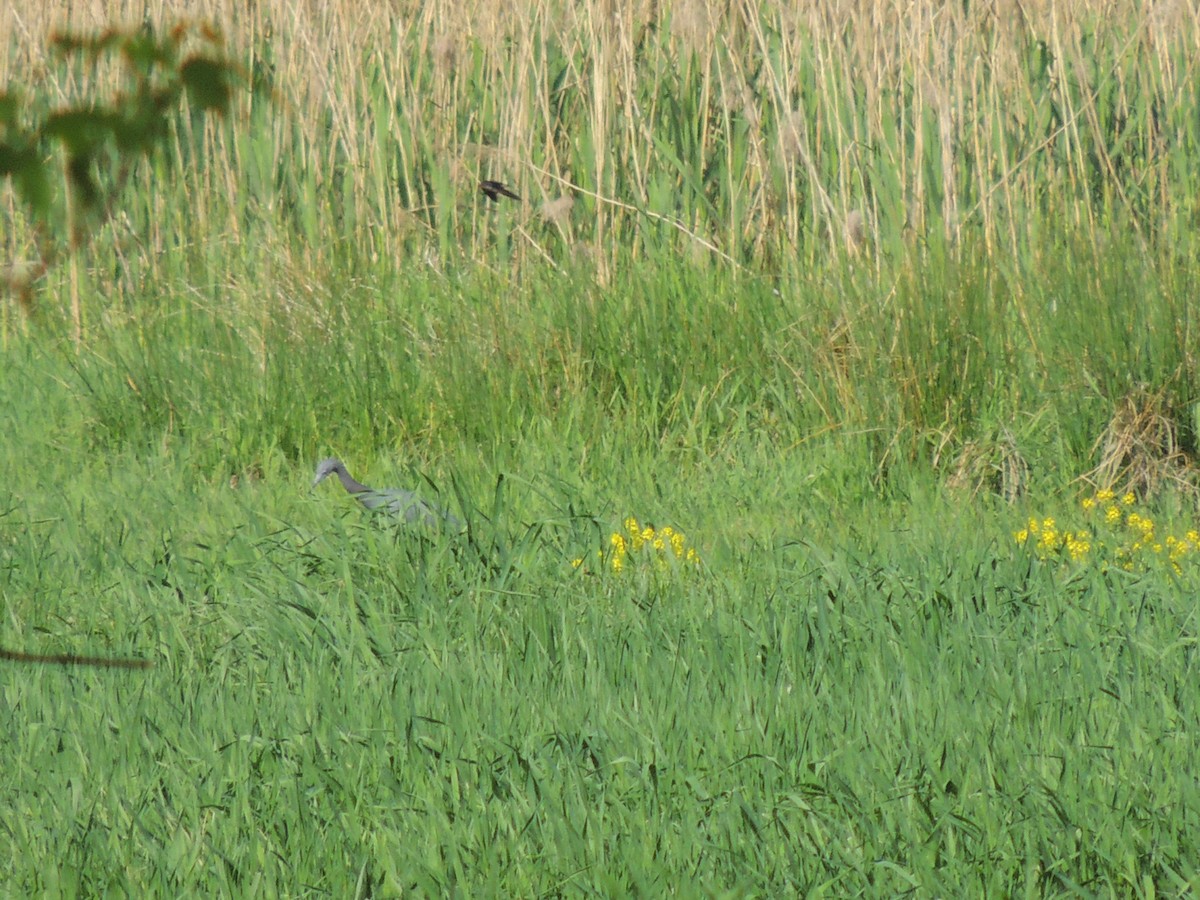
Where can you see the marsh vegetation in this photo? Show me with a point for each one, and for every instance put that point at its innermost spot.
(847, 296)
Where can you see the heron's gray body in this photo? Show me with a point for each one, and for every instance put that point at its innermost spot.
(403, 504)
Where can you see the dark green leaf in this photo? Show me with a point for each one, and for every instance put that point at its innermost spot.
(144, 124)
(82, 131)
(79, 172)
(208, 82)
(14, 157)
(28, 171)
(33, 186)
(144, 52)
(10, 107)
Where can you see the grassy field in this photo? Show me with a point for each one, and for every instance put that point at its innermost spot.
(872, 304)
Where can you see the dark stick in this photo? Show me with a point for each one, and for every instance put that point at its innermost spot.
(69, 659)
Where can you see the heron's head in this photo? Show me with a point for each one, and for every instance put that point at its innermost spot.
(325, 468)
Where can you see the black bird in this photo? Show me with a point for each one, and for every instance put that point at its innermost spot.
(494, 190)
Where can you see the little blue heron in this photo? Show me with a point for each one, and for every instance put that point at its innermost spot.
(403, 504)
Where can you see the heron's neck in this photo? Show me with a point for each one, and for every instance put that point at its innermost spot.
(351, 486)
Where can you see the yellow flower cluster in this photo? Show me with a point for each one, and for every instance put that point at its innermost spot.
(1050, 541)
(636, 541)
(1120, 535)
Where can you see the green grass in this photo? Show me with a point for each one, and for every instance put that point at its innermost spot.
(867, 688)
(339, 706)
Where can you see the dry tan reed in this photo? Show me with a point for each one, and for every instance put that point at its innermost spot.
(1140, 450)
(750, 129)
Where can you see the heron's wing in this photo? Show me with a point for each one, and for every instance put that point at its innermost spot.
(412, 508)
(375, 499)
(406, 506)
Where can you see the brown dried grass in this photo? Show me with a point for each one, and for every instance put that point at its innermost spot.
(995, 465)
(1139, 450)
(814, 85)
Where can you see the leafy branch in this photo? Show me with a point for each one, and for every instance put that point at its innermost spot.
(70, 166)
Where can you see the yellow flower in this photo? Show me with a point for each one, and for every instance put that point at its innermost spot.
(1078, 547)
(638, 536)
(1049, 542)
(1140, 523)
(1128, 499)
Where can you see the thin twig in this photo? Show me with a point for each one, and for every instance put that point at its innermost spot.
(70, 659)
